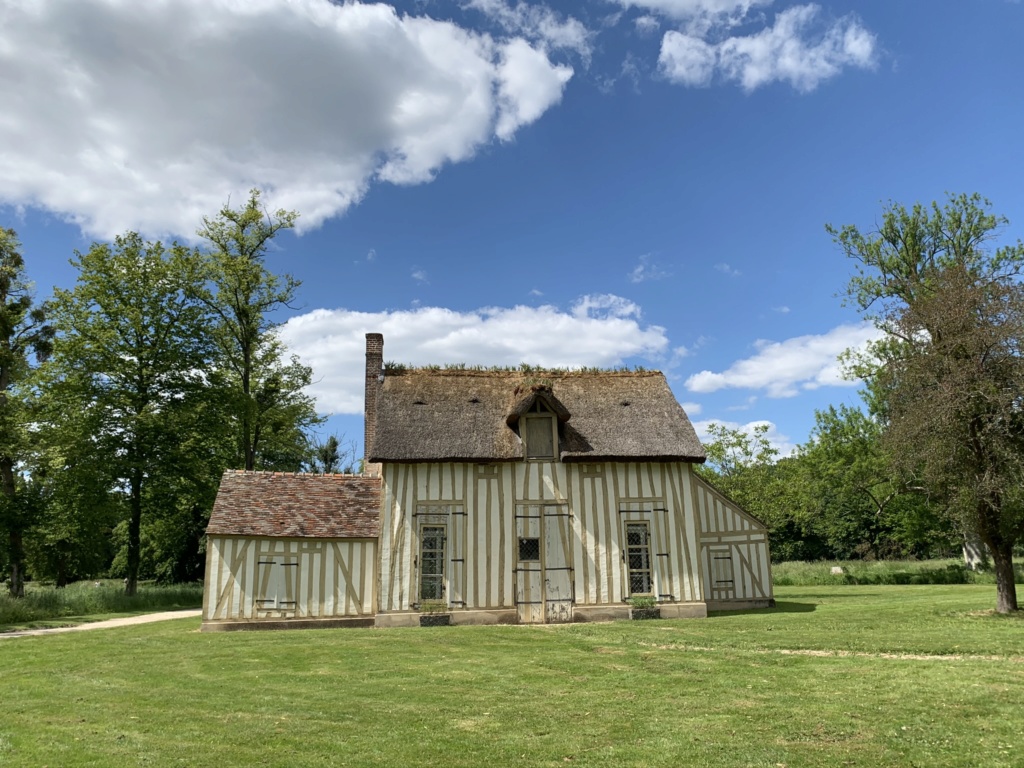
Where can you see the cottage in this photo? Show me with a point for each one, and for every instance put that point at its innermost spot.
(501, 497)
(292, 550)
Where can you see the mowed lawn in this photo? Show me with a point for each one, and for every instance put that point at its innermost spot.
(835, 676)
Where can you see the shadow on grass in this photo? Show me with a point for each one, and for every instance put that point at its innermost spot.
(781, 606)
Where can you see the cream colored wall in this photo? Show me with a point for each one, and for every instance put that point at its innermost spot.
(728, 530)
(479, 504)
(333, 577)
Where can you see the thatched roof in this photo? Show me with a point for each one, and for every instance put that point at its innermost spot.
(457, 415)
(296, 505)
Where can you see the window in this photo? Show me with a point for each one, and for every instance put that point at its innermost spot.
(539, 432)
(529, 550)
(432, 539)
(638, 558)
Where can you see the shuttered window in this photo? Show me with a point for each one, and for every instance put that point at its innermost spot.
(539, 432)
(276, 579)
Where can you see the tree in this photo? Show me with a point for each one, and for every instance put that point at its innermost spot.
(129, 361)
(23, 332)
(333, 455)
(270, 410)
(946, 378)
(867, 508)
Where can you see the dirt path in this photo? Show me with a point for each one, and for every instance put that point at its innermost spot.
(145, 618)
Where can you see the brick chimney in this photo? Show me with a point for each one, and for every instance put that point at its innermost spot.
(374, 372)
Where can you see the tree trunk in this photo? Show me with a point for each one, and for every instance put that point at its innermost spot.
(17, 553)
(1006, 588)
(131, 583)
(17, 549)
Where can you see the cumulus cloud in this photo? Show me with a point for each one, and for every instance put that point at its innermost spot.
(796, 50)
(148, 116)
(782, 443)
(784, 368)
(600, 331)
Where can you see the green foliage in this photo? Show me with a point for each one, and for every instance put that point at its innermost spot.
(24, 332)
(867, 572)
(334, 455)
(43, 603)
(836, 497)
(270, 412)
(642, 602)
(945, 381)
(433, 606)
(128, 363)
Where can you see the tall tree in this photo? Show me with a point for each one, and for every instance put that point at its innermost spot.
(129, 357)
(270, 409)
(23, 332)
(948, 374)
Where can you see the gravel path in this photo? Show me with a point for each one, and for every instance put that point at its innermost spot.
(145, 618)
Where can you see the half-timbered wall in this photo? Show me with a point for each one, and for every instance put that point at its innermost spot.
(735, 564)
(267, 578)
(486, 509)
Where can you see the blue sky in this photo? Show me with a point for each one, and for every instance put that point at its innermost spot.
(611, 183)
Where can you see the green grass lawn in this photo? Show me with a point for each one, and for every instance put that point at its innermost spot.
(835, 676)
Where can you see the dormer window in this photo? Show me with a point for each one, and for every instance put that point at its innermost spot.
(538, 429)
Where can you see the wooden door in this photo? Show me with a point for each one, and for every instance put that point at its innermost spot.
(558, 592)
(529, 567)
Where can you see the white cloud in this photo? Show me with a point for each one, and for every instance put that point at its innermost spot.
(728, 270)
(785, 368)
(527, 85)
(795, 50)
(687, 60)
(689, 9)
(782, 443)
(419, 275)
(646, 269)
(646, 25)
(120, 114)
(540, 24)
(692, 409)
(782, 310)
(599, 331)
(605, 305)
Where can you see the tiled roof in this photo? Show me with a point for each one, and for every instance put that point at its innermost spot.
(296, 505)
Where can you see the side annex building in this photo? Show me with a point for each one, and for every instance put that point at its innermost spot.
(489, 497)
